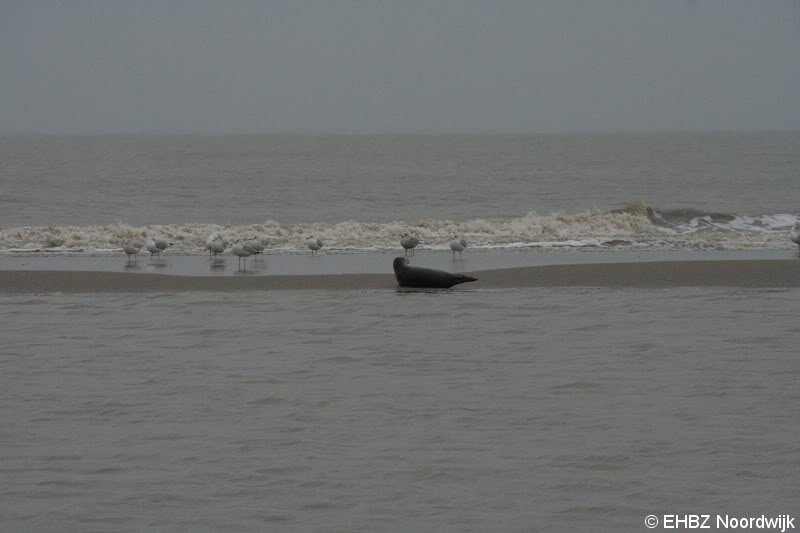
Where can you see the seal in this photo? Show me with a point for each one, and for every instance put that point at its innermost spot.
(426, 278)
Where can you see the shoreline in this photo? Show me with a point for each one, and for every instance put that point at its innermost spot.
(371, 263)
(744, 273)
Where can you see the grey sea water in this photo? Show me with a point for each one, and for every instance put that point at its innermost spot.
(533, 410)
(246, 179)
(457, 411)
(731, 191)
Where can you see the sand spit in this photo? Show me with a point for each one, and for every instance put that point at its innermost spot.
(653, 274)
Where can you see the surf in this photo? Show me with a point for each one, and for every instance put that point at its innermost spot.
(629, 227)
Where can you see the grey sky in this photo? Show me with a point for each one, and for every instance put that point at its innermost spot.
(362, 66)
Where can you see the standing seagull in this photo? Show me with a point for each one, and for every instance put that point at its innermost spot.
(215, 245)
(156, 247)
(314, 245)
(409, 242)
(217, 248)
(131, 248)
(209, 241)
(795, 234)
(152, 248)
(256, 247)
(242, 253)
(457, 245)
(162, 245)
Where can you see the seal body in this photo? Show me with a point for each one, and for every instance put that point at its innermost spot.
(426, 278)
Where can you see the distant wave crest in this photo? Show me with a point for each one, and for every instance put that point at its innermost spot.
(640, 227)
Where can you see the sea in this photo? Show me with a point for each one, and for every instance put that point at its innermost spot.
(703, 191)
(583, 409)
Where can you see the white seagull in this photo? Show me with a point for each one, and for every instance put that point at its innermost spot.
(131, 248)
(314, 245)
(457, 245)
(152, 248)
(156, 247)
(409, 242)
(162, 245)
(256, 247)
(215, 245)
(217, 248)
(795, 234)
(242, 253)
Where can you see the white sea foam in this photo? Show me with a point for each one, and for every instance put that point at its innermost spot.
(633, 227)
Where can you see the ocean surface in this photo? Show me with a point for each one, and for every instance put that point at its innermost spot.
(517, 410)
(463, 410)
(703, 191)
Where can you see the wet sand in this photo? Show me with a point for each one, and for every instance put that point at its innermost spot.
(371, 263)
(779, 273)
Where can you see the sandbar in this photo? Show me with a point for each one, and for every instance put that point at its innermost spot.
(761, 273)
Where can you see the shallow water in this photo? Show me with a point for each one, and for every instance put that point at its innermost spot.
(386, 411)
(281, 264)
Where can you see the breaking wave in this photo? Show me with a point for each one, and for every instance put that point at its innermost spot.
(639, 227)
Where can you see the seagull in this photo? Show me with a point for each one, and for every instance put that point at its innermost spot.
(131, 248)
(795, 234)
(314, 245)
(155, 247)
(255, 247)
(409, 242)
(162, 245)
(242, 253)
(217, 248)
(152, 248)
(210, 240)
(457, 245)
(215, 245)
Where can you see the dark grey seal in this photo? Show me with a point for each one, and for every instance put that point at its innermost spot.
(426, 278)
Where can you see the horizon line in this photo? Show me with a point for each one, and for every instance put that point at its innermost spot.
(390, 134)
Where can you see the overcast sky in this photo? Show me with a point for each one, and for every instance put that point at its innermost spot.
(364, 66)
